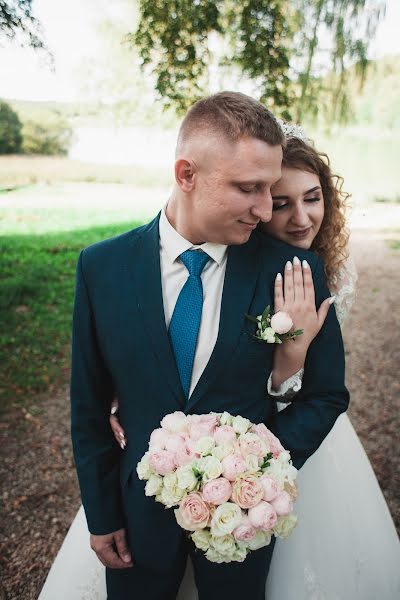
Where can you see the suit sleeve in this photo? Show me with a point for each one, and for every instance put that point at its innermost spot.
(95, 451)
(303, 425)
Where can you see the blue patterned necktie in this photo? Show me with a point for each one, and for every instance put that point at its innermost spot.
(185, 321)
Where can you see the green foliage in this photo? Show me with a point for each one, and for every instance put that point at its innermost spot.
(36, 297)
(278, 45)
(16, 20)
(49, 135)
(10, 130)
(173, 37)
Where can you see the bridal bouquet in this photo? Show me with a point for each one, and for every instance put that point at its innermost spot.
(232, 481)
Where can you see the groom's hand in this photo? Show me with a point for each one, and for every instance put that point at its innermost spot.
(112, 549)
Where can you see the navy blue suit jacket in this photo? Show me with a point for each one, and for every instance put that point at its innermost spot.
(121, 348)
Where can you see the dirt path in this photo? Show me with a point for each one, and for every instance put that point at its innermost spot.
(39, 496)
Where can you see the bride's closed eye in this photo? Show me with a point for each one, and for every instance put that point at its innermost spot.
(315, 199)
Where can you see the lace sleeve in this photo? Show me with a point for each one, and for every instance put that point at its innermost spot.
(343, 285)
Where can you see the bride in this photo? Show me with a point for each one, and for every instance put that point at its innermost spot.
(345, 546)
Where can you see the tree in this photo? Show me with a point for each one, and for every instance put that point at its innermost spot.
(277, 44)
(10, 130)
(323, 69)
(17, 21)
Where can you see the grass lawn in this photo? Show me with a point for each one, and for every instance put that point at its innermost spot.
(36, 297)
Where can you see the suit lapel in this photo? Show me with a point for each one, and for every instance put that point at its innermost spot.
(242, 270)
(146, 274)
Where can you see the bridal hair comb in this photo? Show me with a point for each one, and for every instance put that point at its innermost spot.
(292, 130)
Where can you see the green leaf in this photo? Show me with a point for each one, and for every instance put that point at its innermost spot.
(251, 318)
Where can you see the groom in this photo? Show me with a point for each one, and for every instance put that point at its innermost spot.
(159, 322)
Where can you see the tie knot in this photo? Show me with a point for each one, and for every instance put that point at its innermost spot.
(194, 261)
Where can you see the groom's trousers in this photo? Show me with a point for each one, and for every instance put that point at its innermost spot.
(213, 581)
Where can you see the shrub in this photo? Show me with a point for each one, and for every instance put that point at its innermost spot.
(48, 134)
(10, 130)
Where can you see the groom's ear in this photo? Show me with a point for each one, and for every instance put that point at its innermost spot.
(185, 171)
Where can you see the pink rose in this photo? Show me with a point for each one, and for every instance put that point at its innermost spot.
(157, 439)
(162, 461)
(251, 443)
(245, 530)
(193, 512)
(201, 426)
(262, 516)
(271, 440)
(281, 322)
(225, 434)
(174, 422)
(174, 442)
(282, 504)
(232, 466)
(183, 455)
(270, 487)
(217, 491)
(247, 491)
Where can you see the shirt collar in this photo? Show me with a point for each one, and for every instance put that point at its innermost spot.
(174, 244)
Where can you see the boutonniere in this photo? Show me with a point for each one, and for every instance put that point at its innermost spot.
(274, 328)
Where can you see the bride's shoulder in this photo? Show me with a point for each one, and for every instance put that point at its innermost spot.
(343, 285)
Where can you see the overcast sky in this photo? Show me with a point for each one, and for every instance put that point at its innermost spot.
(71, 35)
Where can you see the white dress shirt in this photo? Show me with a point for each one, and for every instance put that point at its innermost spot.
(173, 277)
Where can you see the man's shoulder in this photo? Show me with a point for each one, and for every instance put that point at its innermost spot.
(274, 248)
(118, 244)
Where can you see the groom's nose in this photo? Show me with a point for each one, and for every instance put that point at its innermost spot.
(262, 209)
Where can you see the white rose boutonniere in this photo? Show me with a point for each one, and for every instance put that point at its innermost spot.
(274, 328)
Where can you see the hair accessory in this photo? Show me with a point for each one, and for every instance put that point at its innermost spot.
(292, 130)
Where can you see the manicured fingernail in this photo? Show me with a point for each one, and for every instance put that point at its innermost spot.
(114, 410)
(288, 265)
(332, 299)
(121, 434)
(305, 264)
(296, 261)
(279, 277)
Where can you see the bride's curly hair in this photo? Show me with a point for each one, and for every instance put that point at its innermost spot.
(331, 242)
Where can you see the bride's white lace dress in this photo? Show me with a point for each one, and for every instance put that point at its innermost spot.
(345, 546)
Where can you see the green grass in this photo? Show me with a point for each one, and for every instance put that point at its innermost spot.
(36, 298)
(393, 244)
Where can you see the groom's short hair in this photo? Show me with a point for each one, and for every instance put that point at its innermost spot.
(233, 116)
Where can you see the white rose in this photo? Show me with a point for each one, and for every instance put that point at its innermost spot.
(186, 479)
(220, 452)
(240, 424)
(268, 335)
(226, 418)
(213, 556)
(154, 485)
(170, 480)
(204, 445)
(285, 525)
(261, 539)
(252, 464)
(275, 471)
(224, 544)
(240, 554)
(171, 496)
(225, 519)
(201, 539)
(281, 322)
(143, 468)
(210, 466)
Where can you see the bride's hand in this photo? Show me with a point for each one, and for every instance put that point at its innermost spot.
(119, 433)
(295, 295)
